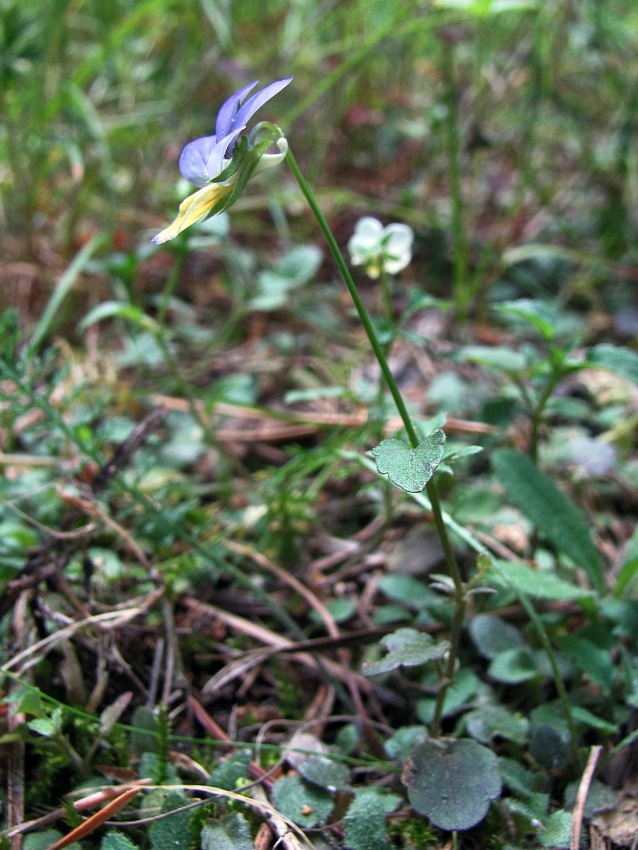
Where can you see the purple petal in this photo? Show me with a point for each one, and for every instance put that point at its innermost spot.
(226, 115)
(257, 100)
(202, 159)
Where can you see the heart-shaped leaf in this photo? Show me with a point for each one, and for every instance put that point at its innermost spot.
(409, 468)
(407, 648)
(452, 782)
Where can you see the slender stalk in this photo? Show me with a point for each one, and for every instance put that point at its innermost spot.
(377, 348)
(431, 489)
(386, 296)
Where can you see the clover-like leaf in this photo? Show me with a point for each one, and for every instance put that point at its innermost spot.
(452, 782)
(407, 648)
(409, 468)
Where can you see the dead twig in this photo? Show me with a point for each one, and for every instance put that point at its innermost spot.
(581, 796)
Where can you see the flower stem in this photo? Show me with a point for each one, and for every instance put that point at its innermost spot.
(459, 595)
(377, 348)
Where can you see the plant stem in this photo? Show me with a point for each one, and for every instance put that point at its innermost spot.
(431, 489)
(377, 348)
(386, 296)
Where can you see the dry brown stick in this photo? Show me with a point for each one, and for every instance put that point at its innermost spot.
(581, 796)
(15, 781)
(128, 447)
(92, 823)
(275, 643)
(293, 419)
(92, 800)
(284, 576)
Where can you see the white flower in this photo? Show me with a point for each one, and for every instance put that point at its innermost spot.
(378, 248)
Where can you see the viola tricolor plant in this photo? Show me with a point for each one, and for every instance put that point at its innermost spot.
(221, 164)
(380, 249)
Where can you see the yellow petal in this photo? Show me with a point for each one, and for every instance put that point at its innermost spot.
(193, 208)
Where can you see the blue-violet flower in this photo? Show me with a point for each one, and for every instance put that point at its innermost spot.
(378, 248)
(222, 163)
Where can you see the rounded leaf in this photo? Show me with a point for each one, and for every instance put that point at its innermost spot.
(452, 782)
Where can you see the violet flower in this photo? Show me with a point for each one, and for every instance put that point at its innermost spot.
(222, 164)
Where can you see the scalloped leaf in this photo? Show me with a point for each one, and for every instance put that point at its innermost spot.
(409, 468)
(406, 648)
(452, 782)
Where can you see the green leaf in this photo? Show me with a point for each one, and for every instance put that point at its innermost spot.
(537, 583)
(492, 635)
(542, 315)
(549, 747)
(452, 782)
(558, 830)
(594, 661)
(325, 773)
(555, 516)
(493, 357)
(408, 590)
(300, 802)
(233, 833)
(231, 770)
(48, 726)
(172, 833)
(490, 721)
(406, 648)
(400, 745)
(119, 310)
(117, 841)
(43, 840)
(614, 358)
(364, 823)
(627, 579)
(464, 686)
(587, 719)
(514, 666)
(341, 610)
(408, 468)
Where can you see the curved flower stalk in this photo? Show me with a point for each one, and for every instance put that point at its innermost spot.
(380, 249)
(221, 164)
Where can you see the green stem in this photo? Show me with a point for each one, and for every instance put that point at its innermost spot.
(386, 296)
(377, 348)
(431, 489)
(169, 288)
